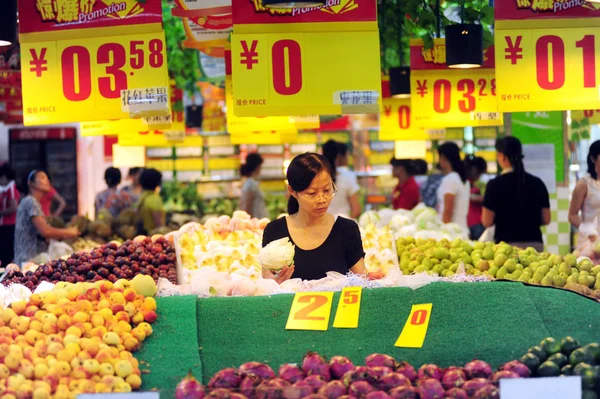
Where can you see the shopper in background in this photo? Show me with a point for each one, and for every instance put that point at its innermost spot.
(406, 194)
(476, 167)
(134, 189)
(52, 199)
(323, 242)
(111, 199)
(430, 187)
(9, 200)
(584, 210)
(516, 202)
(31, 229)
(346, 202)
(420, 171)
(150, 205)
(252, 199)
(453, 192)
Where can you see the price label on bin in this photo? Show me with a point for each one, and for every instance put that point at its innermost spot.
(310, 311)
(414, 331)
(348, 310)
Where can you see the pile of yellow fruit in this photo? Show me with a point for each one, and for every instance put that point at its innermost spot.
(77, 338)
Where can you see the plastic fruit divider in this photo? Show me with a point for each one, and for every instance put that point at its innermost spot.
(495, 322)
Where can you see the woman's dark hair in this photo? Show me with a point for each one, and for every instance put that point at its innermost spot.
(331, 150)
(452, 153)
(302, 171)
(134, 171)
(476, 162)
(253, 162)
(420, 166)
(30, 178)
(112, 177)
(7, 171)
(592, 155)
(407, 164)
(150, 179)
(513, 150)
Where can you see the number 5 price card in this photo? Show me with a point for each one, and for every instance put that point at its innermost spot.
(414, 331)
(310, 311)
(348, 310)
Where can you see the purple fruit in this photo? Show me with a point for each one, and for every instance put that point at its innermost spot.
(314, 396)
(227, 378)
(517, 367)
(189, 388)
(474, 385)
(457, 393)
(374, 374)
(430, 371)
(248, 385)
(478, 369)
(453, 379)
(314, 364)
(347, 397)
(222, 393)
(392, 380)
(503, 374)
(291, 373)
(378, 395)
(271, 389)
(315, 381)
(407, 370)
(487, 392)
(333, 390)
(339, 365)
(360, 389)
(430, 388)
(262, 371)
(380, 360)
(404, 392)
(298, 390)
(358, 374)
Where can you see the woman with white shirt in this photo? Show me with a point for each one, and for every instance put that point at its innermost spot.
(454, 190)
(345, 202)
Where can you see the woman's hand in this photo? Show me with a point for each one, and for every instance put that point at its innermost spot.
(375, 275)
(72, 232)
(284, 275)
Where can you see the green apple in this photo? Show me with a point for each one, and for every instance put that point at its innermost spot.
(437, 269)
(564, 268)
(483, 265)
(534, 266)
(511, 265)
(571, 260)
(559, 281)
(488, 254)
(479, 246)
(516, 274)
(467, 247)
(454, 256)
(595, 270)
(502, 272)
(500, 259)
(520, 267)
(591, 280)
(585, 266)
(597, 285)
(420, 269)
(446, 263)
(546, 281)
(544, 269)
(582, 280)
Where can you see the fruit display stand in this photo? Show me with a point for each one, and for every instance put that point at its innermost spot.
(495, 322)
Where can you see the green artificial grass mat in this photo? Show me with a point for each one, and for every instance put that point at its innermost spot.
(172, 349)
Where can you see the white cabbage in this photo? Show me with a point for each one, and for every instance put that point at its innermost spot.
(277, 254)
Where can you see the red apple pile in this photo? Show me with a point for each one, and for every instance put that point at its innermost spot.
(111, 262)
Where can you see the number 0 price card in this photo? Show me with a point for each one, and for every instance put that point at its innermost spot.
(414, 331)
(396, 121)
(348, 310)
(310, 311)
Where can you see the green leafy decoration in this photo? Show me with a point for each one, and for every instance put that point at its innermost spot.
(183, 62)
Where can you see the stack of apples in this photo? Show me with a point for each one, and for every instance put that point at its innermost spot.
(78, 338)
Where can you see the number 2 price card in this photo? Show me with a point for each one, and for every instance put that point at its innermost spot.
(310, 311)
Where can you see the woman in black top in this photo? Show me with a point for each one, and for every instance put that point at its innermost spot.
(516, 202)
(323, 242)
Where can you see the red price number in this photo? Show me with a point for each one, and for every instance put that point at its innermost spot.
(286, 56)
(313, 303)
(350, 297)
(419, 317)
(551, 61)
(588, 113)
(404, 117)
(77, 86)
(468, 88)
(151, 132)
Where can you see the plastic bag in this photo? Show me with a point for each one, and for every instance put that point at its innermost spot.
(58, 249)
(488, 235)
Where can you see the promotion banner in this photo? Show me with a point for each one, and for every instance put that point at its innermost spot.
(443, 97)
(85, 60)
(204, 8)
(313, 61)
(520, 14)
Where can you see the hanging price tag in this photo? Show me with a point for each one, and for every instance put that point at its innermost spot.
(548, 69)
(157, 138)
(593, 116)
(84, 79)
(396, 121)
(414, 331)
(348, 310)
(265, 137)
(310, 311)
(315, 73)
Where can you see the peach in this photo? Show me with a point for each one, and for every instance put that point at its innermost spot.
(54, 348)
(129, 294)
(31, 336)
(122, 316)
(31, 310)
(149, 304)
(81, 317)
(36, 325)
(106, 313)
(22, 324)
(103, 304)
(149, 316)
(74, 330)
(80, 373)
(93, 294)
(131, 344)
(73, 348)
(97, 320)
(19, 307)
(63, 368)
(139, 334)
(98, 331)
(106, 369)
(84, 355)
(104, 286)
(26, 369)
(130, 308)
(64, 322)
(116, 297)
(111, 338)
(101, 388)
(40, 370)
(92, 349)
(117, 307)
(4, 371)
(103, 356)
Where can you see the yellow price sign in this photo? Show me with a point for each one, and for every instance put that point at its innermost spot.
(83, 79)
(414, 331)
(157, 138)
(592, 115)
(395, 121)
(265, 137)
(310, 311)
(348, 310)
(548, 69)
(307, 122)
(310, 73)
(454, 98)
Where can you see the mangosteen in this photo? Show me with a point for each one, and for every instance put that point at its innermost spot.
(103, 272)
(90, 275)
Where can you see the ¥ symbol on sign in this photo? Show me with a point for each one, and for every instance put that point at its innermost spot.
(39, 62)
(513, 51)
(388, 110)
(249, 56)
(422, 87)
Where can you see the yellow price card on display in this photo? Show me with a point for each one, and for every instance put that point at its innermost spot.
(310, 73)
(592, 115)
(157, 138)
(310, 311)
(348, 310)
(265, 137)
(414, 331)
(307, 122)
(548, 69)
(89, 79)
(454, 98)
(396, 121)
